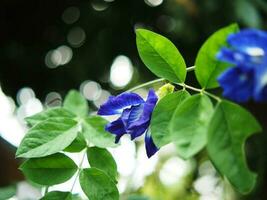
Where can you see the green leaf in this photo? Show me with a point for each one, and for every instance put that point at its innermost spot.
(48, 137)
(94, 132)
(208, 68)
(7, 192)
(161, 56)
(229, 128)
(48, 114)
(97, 185)
(77, 145)
(57, 195)
(189, 125)
(76, 103)
(102, 159)
(50, 170)
(162, 116)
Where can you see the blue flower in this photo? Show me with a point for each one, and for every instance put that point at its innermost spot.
(135, 115)
(247, 79)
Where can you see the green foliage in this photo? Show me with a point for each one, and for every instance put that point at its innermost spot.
(57, 195)
(77, 145)
(49, 114)
(48, 137)
(160, 56)
(189, 125)
(50, 170)
(94, 131)
(229, 128)
(103, 160)
(76, 103)
(97, 185)
(69, 129)
(162, 116)
(7, 192)
(207, 66)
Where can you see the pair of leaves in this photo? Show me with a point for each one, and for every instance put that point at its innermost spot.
(189, 122)
(99, 181)
(60, 129)
(183, 120)
(161, 56)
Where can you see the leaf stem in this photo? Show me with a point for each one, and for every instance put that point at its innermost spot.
(79, 170)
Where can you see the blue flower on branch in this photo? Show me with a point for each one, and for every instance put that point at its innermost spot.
(135, 115)
(247, 78)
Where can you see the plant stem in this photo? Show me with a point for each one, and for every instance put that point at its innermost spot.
(189, 69)
(146, 84)
(79, 171)
(46, 190)
(198, 90)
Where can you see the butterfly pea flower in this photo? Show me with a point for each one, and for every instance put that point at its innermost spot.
(135, 114)
(247, 78)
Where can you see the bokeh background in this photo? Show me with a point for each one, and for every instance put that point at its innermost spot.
(49, 47)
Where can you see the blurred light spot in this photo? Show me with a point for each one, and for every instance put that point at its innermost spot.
(10, 128)
(173, 170)
(71, 15)
(121, 71)
(76, 37)
(99, 5)
(32, 107)
(144, 167)
(206, 168)
(91, 90)
(206, 185)
(60, 56)
(24, 95)
(125, 154)
(153, 3)
(53, 99)
(102, 98)
(166, 23)
(109, 0)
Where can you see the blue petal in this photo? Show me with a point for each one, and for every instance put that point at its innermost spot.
(249, 38)
(115, 105)
(151, 148)
(117, 128)
(233, 57)
(144, 119)
(260, 92)
(237, 83)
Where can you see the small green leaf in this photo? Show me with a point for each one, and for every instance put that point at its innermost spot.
(102, 159)
(76, 103)
(162, 116)
(189, 125)
(57, 195)
(94, 132)
(97, 185)
(161, 56)
(77, 145)
(50, 170)
(229, 129)
(48, 114)
(208, 68)
(48, 137)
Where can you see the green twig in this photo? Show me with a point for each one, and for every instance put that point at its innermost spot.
(79, 171)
